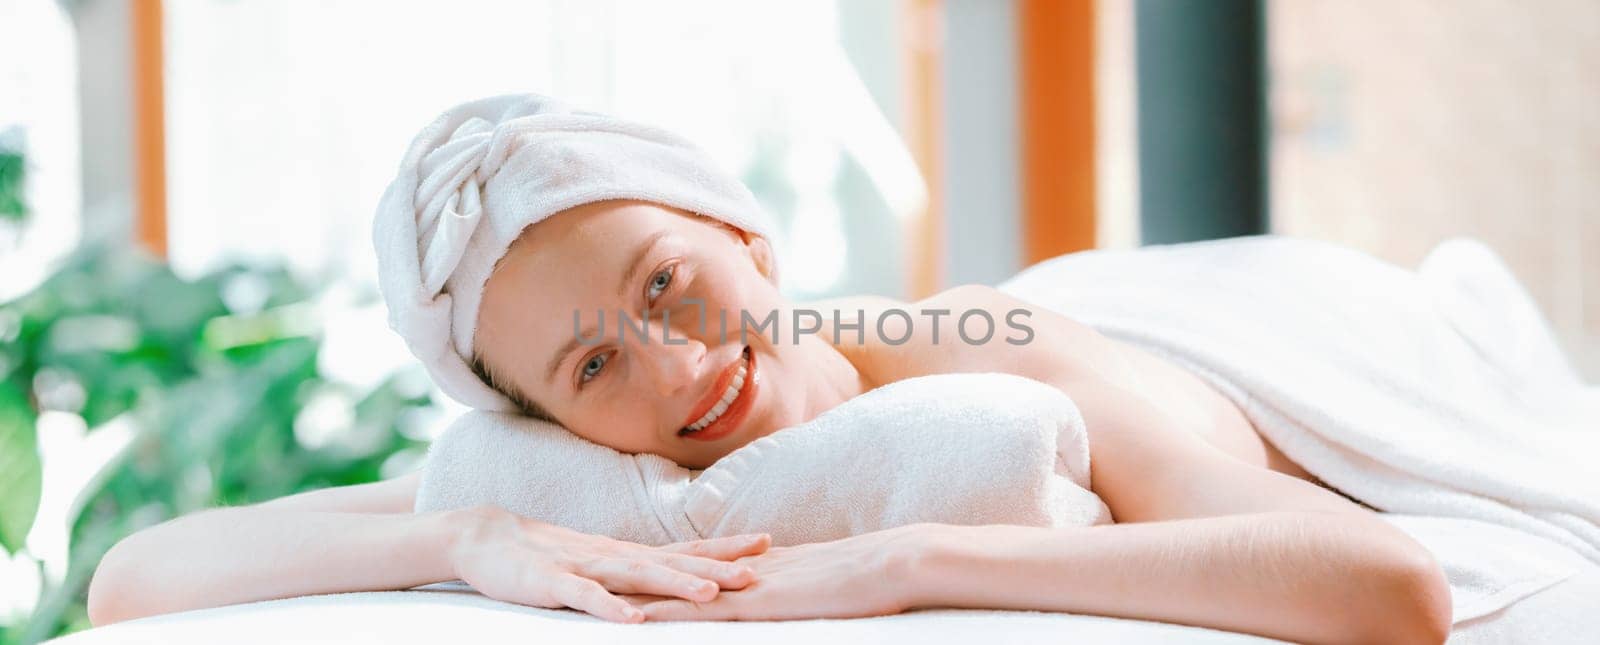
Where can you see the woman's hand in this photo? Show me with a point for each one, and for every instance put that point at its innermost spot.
(858, 576)
(516, 559)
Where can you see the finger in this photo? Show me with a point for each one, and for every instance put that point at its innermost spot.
(723, 608)
(637, 575)
(724, 548)
(728, 575)
(642, 599)
(588, 596)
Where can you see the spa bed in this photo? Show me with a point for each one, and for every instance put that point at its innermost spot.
(1564, 613)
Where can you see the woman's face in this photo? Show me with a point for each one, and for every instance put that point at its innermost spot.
(614, 261)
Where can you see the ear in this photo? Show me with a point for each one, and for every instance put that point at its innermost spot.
(760, 251)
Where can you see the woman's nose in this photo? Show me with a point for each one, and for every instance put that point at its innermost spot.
(673, 361)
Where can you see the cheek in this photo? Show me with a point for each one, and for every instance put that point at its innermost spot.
(621, 422)
(721, 293)
(739, 288)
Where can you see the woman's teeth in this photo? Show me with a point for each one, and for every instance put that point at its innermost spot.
(727, 398)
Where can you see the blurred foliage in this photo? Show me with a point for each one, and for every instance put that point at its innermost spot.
(19, 468)
(11, 182)
(214, 392)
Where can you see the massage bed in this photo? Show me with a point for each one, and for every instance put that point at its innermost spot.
(447, 613)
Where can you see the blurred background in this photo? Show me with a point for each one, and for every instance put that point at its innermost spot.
(187, 303)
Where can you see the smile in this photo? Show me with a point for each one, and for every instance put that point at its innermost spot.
(721, 412)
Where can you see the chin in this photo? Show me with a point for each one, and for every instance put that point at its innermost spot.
(705, 462)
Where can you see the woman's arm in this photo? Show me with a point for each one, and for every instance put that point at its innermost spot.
(227, 556)
(1207, 541)
(365, 538)
(1204, 540)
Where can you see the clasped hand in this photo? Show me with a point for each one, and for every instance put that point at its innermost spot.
(740, 577)
(853, 577)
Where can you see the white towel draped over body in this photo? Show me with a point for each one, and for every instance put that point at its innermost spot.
(1436, 392)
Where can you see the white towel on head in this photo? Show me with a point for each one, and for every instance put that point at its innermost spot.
(484, 171)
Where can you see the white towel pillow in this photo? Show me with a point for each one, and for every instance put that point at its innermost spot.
(954, 448)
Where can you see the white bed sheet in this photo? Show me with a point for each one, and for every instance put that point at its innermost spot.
(447, 616)
(1568, 612)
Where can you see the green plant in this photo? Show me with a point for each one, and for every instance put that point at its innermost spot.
(19, 468)
(214, 394)
(12, 167)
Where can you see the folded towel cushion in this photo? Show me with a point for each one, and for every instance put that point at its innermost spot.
(977, 448)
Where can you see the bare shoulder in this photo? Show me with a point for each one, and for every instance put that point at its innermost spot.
(865, 306)
(973, 328)
(395, 495)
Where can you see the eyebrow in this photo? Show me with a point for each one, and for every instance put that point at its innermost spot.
(555, 361)
(638, 261)
(628, 276)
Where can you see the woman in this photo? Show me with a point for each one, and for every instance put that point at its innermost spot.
(1215, 527)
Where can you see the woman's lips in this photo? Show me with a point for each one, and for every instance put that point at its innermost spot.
(713, 395)
(734, 416)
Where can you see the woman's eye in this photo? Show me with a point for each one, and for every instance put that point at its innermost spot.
(659, 283)
(592, 367)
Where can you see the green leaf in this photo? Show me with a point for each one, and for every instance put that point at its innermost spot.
(19, 468)
(12, 167)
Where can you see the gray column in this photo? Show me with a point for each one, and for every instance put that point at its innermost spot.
(1202, 119)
